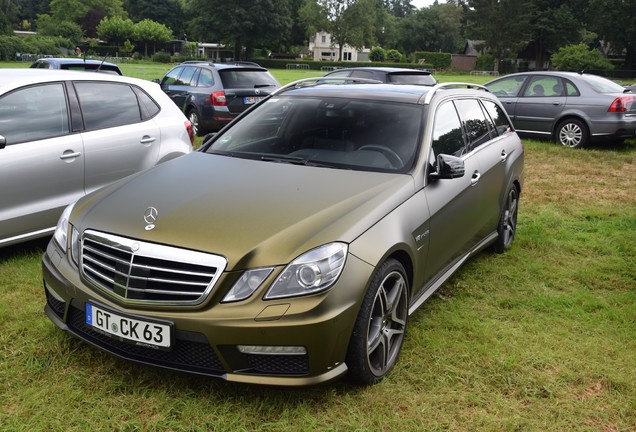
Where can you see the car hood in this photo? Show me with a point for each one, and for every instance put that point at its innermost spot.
(253, 213)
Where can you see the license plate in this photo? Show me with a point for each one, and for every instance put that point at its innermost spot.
(250, 100)
(133, 330)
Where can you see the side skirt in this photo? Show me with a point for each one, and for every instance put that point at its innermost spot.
(430, 288)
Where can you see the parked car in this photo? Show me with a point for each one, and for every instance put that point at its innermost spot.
(64, 134)
(387, 75)
(325, 217)
(571, 108)
(77, 64)
(213, 94)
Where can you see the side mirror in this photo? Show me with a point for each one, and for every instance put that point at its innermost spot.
(3, 142)
(448, 167)
(156, 80)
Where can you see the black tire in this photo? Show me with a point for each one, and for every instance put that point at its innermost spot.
(379, 330)
(572, 133)
(507, 221)
(193, 116)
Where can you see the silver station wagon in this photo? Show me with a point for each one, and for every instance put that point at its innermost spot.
(292, 248)
(64, 134)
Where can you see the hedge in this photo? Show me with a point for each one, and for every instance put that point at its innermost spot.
(11, 46)
(317, 65)
(436, 60)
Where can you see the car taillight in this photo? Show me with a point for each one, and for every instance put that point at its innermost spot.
(190, 130)
(218, 98)
(621, 104)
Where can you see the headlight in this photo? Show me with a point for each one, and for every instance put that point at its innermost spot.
(61, 230)
(310, 273)
(247, 284)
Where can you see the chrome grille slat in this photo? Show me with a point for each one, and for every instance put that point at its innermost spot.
(146, 273)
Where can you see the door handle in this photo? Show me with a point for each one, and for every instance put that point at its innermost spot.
(504, 155)
(70, 154)
(475, 178)
(147, 139)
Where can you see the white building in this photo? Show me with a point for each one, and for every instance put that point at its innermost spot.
(325, 50)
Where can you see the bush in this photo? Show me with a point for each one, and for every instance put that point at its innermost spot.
(161, 57)
(578, 58)
(434, 59)
(10, 46)
(393, 55)
(377, 55)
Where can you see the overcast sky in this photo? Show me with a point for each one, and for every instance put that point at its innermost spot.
(422, 3)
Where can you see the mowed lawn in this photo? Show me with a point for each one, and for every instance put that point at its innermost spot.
(542, 338)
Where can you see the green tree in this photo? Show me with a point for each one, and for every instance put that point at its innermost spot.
(503, 25)
(436, 28)
(241, 23)
(377, 55)
(577, 58)
(612, 20)
(116, 29)
(168, 12)
(87, 13)
(47, 26)
(151, 32)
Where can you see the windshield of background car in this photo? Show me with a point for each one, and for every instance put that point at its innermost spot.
(245, 78)
(345, 133)
(602, 85)
(412, 78)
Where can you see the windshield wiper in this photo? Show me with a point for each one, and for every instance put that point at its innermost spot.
(295, 160)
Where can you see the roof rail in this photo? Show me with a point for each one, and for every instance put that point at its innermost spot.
(451, 85)
(308, 82)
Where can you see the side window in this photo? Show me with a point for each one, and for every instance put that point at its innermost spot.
(46, 104)
(507, 86)
(544, 86)
(362, 74)
(107, 105)
(186, 77)
(447, 132)
(205, 78)
(149, 108)
(171, 77)
(571, 89)
(498, 117)
(474, 122)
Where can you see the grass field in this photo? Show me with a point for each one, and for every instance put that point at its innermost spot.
(542, 338)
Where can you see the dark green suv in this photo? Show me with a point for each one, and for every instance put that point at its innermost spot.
(213, 94)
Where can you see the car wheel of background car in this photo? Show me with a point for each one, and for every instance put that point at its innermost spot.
(507, 221)
(379, 329)
(193, 116)
(391, 155)
(572, 133)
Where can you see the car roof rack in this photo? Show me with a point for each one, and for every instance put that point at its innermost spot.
(309, 82)
(451, 85)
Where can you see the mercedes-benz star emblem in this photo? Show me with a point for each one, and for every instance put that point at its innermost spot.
(150, 216)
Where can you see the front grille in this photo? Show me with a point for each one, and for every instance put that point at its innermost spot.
(142, 272)
(188, 355)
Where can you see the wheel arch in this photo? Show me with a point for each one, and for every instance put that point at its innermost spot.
(568, 117)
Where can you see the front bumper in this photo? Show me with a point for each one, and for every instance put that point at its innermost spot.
(207, 337)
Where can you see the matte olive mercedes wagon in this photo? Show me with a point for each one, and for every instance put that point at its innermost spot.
(293, 246)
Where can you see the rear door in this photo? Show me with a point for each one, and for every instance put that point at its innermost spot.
(507, 89)
(540, 104)
(42, 164)
(117, 140)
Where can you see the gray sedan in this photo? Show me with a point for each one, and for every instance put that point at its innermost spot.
(572, 108)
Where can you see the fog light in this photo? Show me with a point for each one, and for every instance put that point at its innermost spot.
(272, 350)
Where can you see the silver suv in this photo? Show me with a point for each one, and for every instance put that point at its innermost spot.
(64, 134)
(326, 216)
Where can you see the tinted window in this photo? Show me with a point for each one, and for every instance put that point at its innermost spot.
(107, 104)
(474, 122)
(171, 77)
(237, 78)
(149, 108)
(498, 117)
(362, 74)
(34, 113)
(447, 132)
(205, 78)
(411, 78)
(186, 77)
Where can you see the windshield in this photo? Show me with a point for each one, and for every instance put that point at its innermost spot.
(334, 132)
